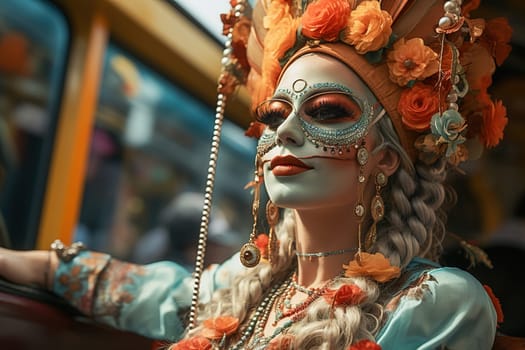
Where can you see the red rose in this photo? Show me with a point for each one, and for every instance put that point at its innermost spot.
(347, 294)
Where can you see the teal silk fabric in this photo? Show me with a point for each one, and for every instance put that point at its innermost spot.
(439, 308)
(428, 307)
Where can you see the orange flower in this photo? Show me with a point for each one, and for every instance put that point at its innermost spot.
(369, 28)
(496, 38)
(255, 130)
(195, 343)
(324, 19)
(262, 243)
(495, 302)
(417, 105)
(216, 328)
(365, 344)
(375, 266)
(494, 122)
(278, 40)
(411, 60)
(347, 294)
(283, 342)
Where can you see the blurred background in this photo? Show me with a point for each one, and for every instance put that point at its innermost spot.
(106, 112)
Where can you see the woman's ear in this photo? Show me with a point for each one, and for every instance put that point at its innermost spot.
(388, 161)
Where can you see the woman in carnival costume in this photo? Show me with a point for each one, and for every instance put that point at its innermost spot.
(362, 108)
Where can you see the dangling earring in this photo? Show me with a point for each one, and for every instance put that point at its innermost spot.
(359, 211)
(250, 254)
(377, 210)
(272, 216)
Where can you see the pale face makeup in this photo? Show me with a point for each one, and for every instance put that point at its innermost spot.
(314, 118)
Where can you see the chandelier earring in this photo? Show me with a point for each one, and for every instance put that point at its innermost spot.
(360, 210)
(250, 254)
(377, 210)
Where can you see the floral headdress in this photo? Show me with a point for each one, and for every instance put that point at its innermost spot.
(428, 62)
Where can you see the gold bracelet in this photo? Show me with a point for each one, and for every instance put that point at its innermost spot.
(66, 253)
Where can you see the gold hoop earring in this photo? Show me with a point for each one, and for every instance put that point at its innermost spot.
(250, 254)
(377, 210)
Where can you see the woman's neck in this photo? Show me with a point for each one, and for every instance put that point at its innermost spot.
(331, 232)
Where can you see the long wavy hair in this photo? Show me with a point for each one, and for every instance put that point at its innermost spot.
(414, 225)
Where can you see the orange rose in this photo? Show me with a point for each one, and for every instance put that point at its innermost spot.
(347, 294)
(195, 343)
(375, 266)
(365, 344)
(216, 328)
(494, 122)
(496, 38)
(411, 60)
(417, 105)
(368, 28)
(324, 19)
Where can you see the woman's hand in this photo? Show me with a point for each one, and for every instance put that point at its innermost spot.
(35, 267)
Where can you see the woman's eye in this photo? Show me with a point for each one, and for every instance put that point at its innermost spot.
(331, 109)
(273, 113)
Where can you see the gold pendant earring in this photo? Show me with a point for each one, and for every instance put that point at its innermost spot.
(250, 254)
(377, 210)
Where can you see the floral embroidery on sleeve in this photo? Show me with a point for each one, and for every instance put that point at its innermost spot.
(96, 284)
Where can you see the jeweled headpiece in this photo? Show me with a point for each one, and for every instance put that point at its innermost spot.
(427, 61)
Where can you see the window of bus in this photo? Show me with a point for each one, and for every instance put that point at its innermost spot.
(33, 48)
(147, 168)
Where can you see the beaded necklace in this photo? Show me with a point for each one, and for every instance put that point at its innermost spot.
(280, 296)
(260, 316)
(284, 307)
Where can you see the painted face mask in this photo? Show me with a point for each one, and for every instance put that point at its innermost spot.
(313, 120)
(332, 116)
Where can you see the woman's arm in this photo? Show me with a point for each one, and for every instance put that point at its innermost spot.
(145, 299)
